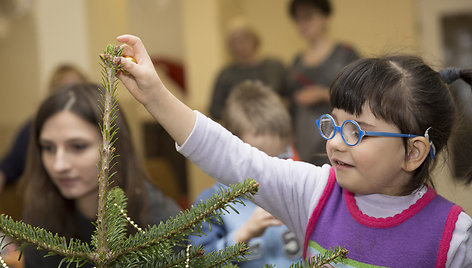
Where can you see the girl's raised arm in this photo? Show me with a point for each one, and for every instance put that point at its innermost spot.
(145, 85)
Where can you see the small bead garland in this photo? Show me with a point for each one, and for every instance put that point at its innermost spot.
(135, 225)
(4, 264)
(187, 261)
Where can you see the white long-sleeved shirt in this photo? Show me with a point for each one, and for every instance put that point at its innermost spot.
(291, 190)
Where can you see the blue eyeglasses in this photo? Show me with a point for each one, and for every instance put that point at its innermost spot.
(352, 134)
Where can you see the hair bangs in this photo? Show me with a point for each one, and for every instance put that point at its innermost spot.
(371, 82)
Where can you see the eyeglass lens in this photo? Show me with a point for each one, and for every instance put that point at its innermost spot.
(326, 127)
(350, 131)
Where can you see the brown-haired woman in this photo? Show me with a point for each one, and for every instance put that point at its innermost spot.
(60, 180)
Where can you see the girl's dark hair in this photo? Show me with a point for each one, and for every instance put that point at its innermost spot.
(322, 5)
(44, 205)
(405, 91)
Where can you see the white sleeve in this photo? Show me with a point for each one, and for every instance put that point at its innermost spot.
(289, 190)
(460, 249)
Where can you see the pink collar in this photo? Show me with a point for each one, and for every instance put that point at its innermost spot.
(388, 222)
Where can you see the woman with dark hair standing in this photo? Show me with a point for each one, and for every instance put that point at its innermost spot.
(60, 181)
(311, 73)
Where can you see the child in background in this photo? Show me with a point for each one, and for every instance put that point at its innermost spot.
(374, 198)
(255, 114)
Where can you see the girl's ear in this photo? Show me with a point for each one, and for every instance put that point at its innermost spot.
(417, 151)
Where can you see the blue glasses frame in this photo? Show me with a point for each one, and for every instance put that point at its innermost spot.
(361, 132)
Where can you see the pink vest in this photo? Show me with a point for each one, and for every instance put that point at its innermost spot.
(417, 237)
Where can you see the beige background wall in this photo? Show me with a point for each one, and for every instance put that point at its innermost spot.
(190, 31)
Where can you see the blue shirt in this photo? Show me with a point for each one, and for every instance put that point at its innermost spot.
(276, 246)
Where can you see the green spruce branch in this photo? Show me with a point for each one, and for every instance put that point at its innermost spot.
(326, 259)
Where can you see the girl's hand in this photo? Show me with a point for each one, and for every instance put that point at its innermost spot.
(145, 85)
(141, 80)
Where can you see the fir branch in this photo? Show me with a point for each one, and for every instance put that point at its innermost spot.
(235, 253)
(331, 256)
(178, 260)
(114, 217)
(185, 222)
(155, 256)
(22, 232)
(111, 64)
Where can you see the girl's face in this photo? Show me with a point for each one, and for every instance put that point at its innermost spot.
(375, 165)
(69, 153)
(311, 23)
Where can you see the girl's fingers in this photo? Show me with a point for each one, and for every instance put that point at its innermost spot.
(127, 81)
(128, 65)
(136, 44)
(127, 50)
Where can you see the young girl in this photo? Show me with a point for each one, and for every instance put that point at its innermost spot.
(60, 180)
(374, 198)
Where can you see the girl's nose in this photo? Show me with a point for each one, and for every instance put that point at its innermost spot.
(61, 161)
(336, 142)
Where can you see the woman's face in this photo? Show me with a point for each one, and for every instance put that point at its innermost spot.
(69, 152)
(242, 44)
(311, 23)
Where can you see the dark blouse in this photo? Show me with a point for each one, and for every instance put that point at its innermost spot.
(160, 208)
(269, 71)
(308, 142)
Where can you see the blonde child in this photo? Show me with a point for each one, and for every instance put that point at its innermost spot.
(255, 114)
(373, 198)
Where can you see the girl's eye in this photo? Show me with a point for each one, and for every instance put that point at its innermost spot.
(47, 148)
(355, 134)
(79, 147)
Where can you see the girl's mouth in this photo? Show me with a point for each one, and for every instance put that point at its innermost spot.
(340, 164)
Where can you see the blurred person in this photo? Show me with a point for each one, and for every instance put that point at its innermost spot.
(255, 114)
(243, 44)
(311, 73)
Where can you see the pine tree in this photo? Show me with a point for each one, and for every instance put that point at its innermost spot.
(111, 245)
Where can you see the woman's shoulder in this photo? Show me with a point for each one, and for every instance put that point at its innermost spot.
(272, 61)
(346, 50)
(160, 206)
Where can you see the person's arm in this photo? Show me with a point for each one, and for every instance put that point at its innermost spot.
(218, 236)
(255, 226)
(460, 248)
(13, 163)
(145, 85)
(2, 181)
(312, 95)
(222, 155)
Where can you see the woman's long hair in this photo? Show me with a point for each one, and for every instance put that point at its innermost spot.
(43, 204)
